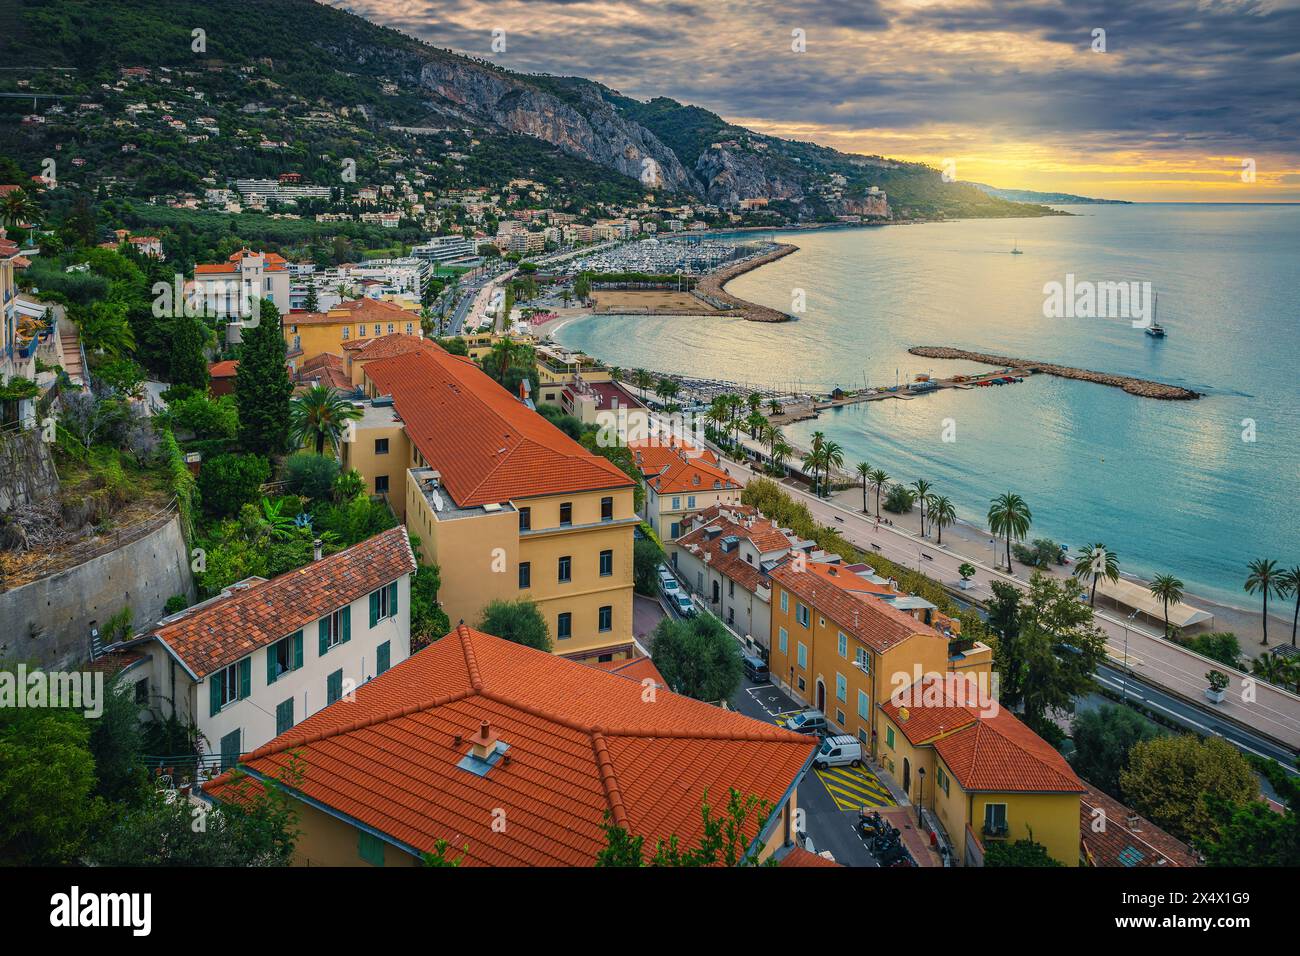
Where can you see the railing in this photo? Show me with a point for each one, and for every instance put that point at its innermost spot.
(176, 769)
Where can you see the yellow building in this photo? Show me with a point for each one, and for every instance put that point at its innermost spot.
(503, 502)
(308, 334)
(982, 773)
(559, 367)
(680, 478)
(517, 758)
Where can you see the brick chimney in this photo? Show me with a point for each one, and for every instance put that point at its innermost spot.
(484, 744)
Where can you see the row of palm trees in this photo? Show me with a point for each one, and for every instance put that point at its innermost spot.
(1266, 578)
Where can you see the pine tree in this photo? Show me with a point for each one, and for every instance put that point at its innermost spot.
(262, 386)
(187, 363)
(312, 303)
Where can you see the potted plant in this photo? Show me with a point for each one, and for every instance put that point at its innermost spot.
(967, 571)
(1218, 686)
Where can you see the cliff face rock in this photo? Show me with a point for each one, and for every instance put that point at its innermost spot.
(596, 132)
(730, 175)
(875, 206)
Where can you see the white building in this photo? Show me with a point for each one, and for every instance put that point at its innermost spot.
(262, 656)
(442, 249)
(229, 289)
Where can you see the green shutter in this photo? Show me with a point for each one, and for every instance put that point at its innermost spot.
(214, 693)
(297, 650)
(392, 599)
(381, 658)
(245, 677)
(271, 674)
(334, 687)
(283, 716)
(374, 608)
(347, 625)
(323, 627)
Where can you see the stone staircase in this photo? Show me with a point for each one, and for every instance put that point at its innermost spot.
(70, 343)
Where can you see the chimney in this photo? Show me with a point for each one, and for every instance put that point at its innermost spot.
(1134, 822)
(316, 550)
(484, 744)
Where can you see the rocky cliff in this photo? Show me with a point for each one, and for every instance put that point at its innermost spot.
(730, 175)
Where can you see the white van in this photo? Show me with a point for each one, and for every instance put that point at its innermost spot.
(838, 751)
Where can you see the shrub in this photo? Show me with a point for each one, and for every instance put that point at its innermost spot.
(518, 621)
(311, 476)
(175, 604)
(899, 499)
(1041, 553)
(1221, 646)
(204, 418)
(228, 482)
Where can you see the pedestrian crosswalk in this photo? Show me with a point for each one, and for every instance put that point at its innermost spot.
(854, 787)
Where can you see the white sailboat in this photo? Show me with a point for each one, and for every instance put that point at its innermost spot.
(1155, 329)
(1015, 248)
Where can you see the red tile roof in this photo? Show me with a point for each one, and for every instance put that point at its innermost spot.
(687, 475)
(8, 248)
(226, 369)
(654, 454)
(870, 620)
(271, 263)
(798, 856)
(581, 744)
(487, 446)
(999, 754)
(219, 632)
(355, 310)
(386, 346)
(633, 668)
(1109, 839)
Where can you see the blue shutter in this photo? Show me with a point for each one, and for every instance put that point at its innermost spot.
(323, 627)
(392, 599)
(214, 693)
(297, 650)
(374, 608)
(347, 625)
(245, 677)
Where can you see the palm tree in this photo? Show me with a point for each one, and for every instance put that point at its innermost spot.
(942, 512)
(754, 401)
(1270, 667)
(1010, 516)
(1096, 562)
(320, 414)
(773, 407)
(503, 354)
(813, 459)
(879, 478)
(1290, 580)
(832, 458)
(734, 405)
(863, 471)
(666, 388)
(643, 380)
(718, 413)
(922, 489)
(755, 421)
(1265, 576)
(18, 208)
(781, 450)
(1168, 590)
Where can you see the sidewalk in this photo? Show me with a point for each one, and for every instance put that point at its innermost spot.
(1274, 711)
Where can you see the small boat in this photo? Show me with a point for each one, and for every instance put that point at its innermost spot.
(1015, 248)
(1155, 329)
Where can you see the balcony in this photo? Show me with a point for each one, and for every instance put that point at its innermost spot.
(996, 830)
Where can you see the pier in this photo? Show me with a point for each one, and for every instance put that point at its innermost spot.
(1141, 387)
(712, 285)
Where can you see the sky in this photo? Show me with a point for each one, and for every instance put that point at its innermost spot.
(1173, 100)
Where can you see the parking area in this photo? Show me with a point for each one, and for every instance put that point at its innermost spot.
(855, 787)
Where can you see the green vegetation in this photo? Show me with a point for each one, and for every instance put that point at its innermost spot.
(730, 840)
(228, 482)
(1020, 853)
(518, 621)
(1173, 780)
(697, 657)
(262, 386)
(1103, 739)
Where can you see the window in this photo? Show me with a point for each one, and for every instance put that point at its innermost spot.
(370, 848)
(941, 779)
(731, 588)
(801, 614)
(566, 514)
(606, 509)
(803, 684)
(785, 601)
(142, 693)
(839, 718)
(334, 687)
(283, 656)
(283, 716)
(844, 644)
(383, 603)
(381, 446)
(864, 705)
(841, 689)
(783, 641)
(606, 563)
(690, 501)
(391, 328)
(889, 737)
(381, 484)
(995, 819)
(525, 519)
(229, 685)
(383, 658)
(376, 328)
(525, 574)
(675, 530)
(605, 618)
(346, 330)
(230, 750)
(334, 629)
(717, 592)
(803, 655)
(862, 659)
(566, 569)
(564, 626)
(410, 328)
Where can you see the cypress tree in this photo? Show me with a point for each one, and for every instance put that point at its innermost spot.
(187, 363)
(262, 386)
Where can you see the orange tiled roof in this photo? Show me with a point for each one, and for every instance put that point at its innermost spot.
(219, 632)
(1118, 843)
(654, 454)
(386, 346)
(872, 621)
(798, 856)
(487, 446)
(224, 369)
(581, 743)
(633, 668)
(8, 248)
(686, 475)
(271, 263)
(355, 310)
(927, 721)
(763, 532)
(999, 754)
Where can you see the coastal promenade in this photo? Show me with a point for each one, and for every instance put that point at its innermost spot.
(1275, 713)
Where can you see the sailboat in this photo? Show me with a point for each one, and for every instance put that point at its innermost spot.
(1015, 248)
(1155, 329)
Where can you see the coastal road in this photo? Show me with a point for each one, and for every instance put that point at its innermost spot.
(1262, 707)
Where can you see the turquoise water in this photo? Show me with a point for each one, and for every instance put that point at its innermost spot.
(1169, 486)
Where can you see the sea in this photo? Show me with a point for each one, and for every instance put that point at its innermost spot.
(1193, 488)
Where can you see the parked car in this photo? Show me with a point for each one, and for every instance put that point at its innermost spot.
(807, 722)
(669, 584)
(755, 669)
(685, 606)
(838, 751)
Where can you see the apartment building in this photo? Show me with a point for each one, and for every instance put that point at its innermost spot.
(983, 774)
(232, 288)
(403, 277)
(11, 364)
(446, 249)
(308, 334)
(252, 662)
(843, 639)
(507, 505)
(680, 478)
(496, 732)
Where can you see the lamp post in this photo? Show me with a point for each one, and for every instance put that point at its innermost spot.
(920, 793)
(1124, 689)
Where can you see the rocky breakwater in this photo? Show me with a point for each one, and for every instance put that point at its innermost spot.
(712, 286)
(1141, 387)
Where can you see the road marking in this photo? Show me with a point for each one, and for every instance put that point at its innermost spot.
(854, 787)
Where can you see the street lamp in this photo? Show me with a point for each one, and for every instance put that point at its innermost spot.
(1124, 687)
(920, 794)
